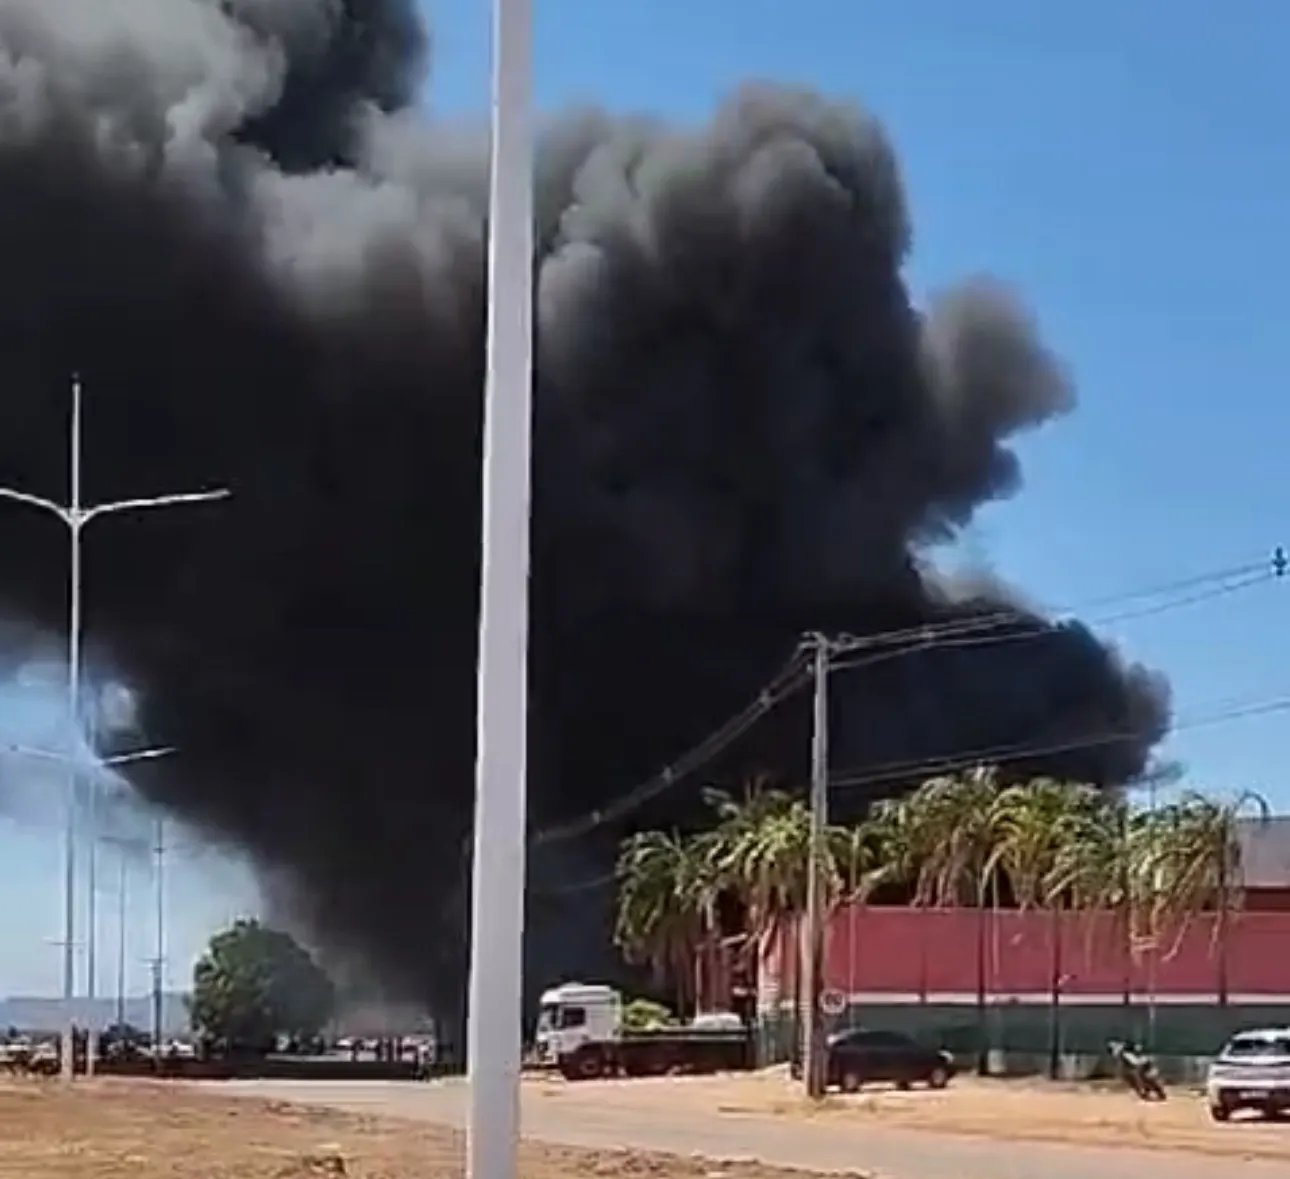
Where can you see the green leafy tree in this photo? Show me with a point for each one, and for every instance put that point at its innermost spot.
(255, 984)
(667, 888)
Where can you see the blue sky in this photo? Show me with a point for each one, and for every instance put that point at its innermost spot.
(1124, 165)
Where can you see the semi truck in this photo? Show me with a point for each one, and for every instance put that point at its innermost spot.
(581, 1034)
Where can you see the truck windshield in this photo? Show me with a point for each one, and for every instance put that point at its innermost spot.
(546, 1016)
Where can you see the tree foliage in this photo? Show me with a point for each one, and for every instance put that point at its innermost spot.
(644, 1014)
(965, 839)
(255, 984)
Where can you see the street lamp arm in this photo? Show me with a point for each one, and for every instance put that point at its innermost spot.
(122, 759)
(159, 501)
(36, 501)
(43, 754)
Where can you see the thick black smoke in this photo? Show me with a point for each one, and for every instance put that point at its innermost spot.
(267, 268)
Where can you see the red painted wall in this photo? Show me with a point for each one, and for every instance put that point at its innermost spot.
(1268, 900)
(921, 952)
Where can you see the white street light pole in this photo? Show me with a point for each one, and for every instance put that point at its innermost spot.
(122, 914)
(90, 794)
(119, 759)
(497, 902)
(124, 848)
(75, 517)
(159, 957)
(93, 835)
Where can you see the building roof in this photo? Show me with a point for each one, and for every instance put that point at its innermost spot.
(1265, 852)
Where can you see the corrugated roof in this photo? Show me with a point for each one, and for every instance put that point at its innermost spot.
(1265, 852)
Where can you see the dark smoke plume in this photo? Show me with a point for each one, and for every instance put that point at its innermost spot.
(229, 218)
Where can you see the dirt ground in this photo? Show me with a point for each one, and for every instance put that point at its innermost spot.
(1031, 1110)
(108, 1130)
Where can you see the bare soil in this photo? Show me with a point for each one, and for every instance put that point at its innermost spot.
(1030, 1110)
(139, 1130)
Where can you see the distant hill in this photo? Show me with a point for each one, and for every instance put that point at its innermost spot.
(31, 1013)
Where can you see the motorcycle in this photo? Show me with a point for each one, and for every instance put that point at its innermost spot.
(1137, 1070)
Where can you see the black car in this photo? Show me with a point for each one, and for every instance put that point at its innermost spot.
(858, 1056)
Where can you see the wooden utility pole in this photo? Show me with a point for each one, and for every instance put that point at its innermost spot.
(814, 1046)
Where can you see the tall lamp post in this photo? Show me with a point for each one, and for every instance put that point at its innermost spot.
(497, 900)
(124, 849)
(91, 933)
(75, 516)
(159, 956)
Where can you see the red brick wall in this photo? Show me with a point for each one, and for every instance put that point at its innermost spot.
(940, 952)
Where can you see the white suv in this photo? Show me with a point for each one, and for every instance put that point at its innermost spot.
(1252, 1072)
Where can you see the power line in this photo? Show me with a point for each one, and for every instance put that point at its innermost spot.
(789, 680)
(997, 756)
(1002, 754)
(1254, 570)
(1031, 631)
(956, 632)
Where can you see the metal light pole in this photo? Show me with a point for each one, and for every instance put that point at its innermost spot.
(89, 796)
(92, 930)
(75, 516)
(122, 922)
(119, 759)
(159, 956)
(123, 879)
(497, 901)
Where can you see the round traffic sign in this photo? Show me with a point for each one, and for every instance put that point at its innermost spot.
(833, 1002)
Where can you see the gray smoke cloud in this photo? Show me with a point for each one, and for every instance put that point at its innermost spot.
(267, 266)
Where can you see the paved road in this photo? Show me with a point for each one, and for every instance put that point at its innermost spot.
(892, 1153)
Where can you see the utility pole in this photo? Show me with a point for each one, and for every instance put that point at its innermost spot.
(813, 1064)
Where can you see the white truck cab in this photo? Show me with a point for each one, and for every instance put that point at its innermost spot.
(574, 1014)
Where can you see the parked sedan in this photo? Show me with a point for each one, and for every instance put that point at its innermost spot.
(1252, 1072)
(859, 1056)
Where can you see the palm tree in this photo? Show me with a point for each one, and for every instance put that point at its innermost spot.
(762, 849)
(903, 841)
(859, 855)
(953, 825)
(1035, 822)
(1100, 866)
(1197, 862)
(667, 892)
(859, 858)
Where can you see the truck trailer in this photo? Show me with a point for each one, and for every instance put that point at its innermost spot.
(580, 1033)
